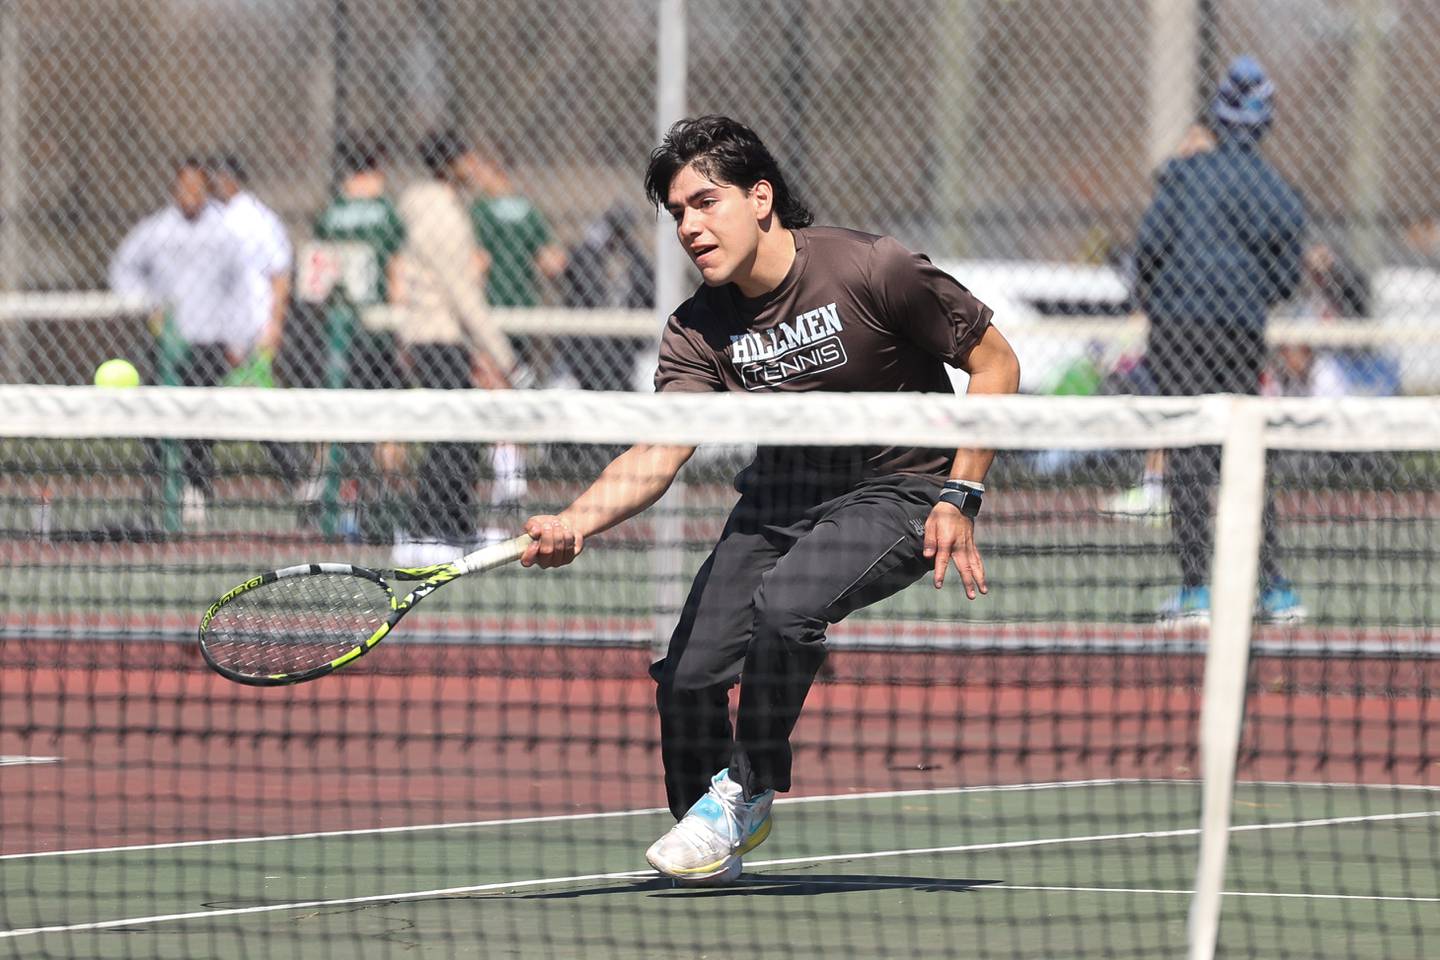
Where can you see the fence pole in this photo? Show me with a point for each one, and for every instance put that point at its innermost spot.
(668, 557)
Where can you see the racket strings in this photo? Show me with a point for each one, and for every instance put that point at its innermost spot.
(296, 623)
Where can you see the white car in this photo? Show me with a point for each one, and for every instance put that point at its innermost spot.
(1056, 313)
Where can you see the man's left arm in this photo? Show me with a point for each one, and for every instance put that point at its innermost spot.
(1281, 260)
(281, 258)
(950, 528)
(935, 312)
(550, 258)
(274, 332)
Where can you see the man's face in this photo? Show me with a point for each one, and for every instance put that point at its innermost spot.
(189, 191)
(475, 172)
(223, 186)
(718, 224)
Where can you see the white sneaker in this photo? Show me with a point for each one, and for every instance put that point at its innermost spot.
(1140, 503)
(508, 462)
(192, 508)
(733, 868)
(708, 841)
(311, 489)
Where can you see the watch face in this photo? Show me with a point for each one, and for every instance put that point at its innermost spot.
(966, 501)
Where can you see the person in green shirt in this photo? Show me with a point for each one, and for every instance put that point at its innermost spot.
(365, 228)
(362, 217)
(513, 231)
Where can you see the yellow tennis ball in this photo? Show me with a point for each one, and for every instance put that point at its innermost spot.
(117, 373)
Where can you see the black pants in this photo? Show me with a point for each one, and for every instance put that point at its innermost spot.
(758, 612)
(1191, 359)
(206, 365)
(444, 504)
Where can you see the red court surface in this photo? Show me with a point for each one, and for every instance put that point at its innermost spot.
(163, 751)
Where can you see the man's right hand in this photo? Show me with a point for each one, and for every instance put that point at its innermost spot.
(556, 542)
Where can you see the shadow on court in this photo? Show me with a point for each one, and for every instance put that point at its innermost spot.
(761, 885)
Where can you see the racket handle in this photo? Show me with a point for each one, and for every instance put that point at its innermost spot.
(495, 555)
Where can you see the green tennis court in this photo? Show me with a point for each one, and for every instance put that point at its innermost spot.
(1018, 776)
(1093, 867)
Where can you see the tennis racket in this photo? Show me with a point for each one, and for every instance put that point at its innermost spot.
(303, 622)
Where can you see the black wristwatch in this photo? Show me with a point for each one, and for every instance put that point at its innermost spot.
(964, 495)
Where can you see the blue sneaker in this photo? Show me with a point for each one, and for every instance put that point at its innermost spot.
(709, 840)
(1279, 603)
(1190, 605)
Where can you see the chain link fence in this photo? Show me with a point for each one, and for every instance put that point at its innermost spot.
(1016, 142)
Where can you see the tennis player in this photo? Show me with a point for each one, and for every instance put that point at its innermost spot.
(817, 532)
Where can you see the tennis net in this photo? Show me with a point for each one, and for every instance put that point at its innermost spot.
(1050, 770)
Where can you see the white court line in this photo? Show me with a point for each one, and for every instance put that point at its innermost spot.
(632, 874)
(229, 841)
(15, 761)
(969, 886)
(1227, 893)
(1057, 841)
(560, 818)
(556, 818)
(1320, 784)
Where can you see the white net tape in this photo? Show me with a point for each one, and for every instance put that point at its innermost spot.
(934, 420)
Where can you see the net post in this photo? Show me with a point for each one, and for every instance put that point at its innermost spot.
(1239, 515)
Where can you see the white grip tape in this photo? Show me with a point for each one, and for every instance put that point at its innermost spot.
(495, 555)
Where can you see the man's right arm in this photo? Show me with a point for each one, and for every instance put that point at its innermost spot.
(632, 482)
(130, 267)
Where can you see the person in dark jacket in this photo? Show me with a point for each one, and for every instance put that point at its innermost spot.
(1219, 245)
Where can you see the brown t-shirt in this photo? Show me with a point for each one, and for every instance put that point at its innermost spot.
(855, 313)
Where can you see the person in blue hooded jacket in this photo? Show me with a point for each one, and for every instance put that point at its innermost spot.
(1219, 245)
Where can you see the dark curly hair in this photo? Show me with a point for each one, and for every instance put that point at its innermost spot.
(726, 151)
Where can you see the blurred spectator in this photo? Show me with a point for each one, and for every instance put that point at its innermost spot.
(360, 231)
(269, 257)
(441, 287)
(1218, 246)
(363, 221)
(1421, 243)
(515, 234)
(1334, 290)
(512, 230)
(607, 268)
(1148, 500)
(186, 259)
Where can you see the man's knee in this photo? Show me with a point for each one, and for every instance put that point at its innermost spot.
(687, 677)
(779, 614)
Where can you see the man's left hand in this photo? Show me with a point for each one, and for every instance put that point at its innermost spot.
(950, 537)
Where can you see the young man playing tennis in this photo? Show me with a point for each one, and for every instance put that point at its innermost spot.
(817, 532)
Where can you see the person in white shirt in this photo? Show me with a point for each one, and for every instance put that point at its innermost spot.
(186, 260)
(269, 257)
(269, 252)
(450, 340)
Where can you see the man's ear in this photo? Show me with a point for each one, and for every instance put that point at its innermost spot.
(762, 198)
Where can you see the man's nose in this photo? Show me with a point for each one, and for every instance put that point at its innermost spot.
(689, 226)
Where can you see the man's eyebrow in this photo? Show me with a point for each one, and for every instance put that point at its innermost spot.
(694, 194)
